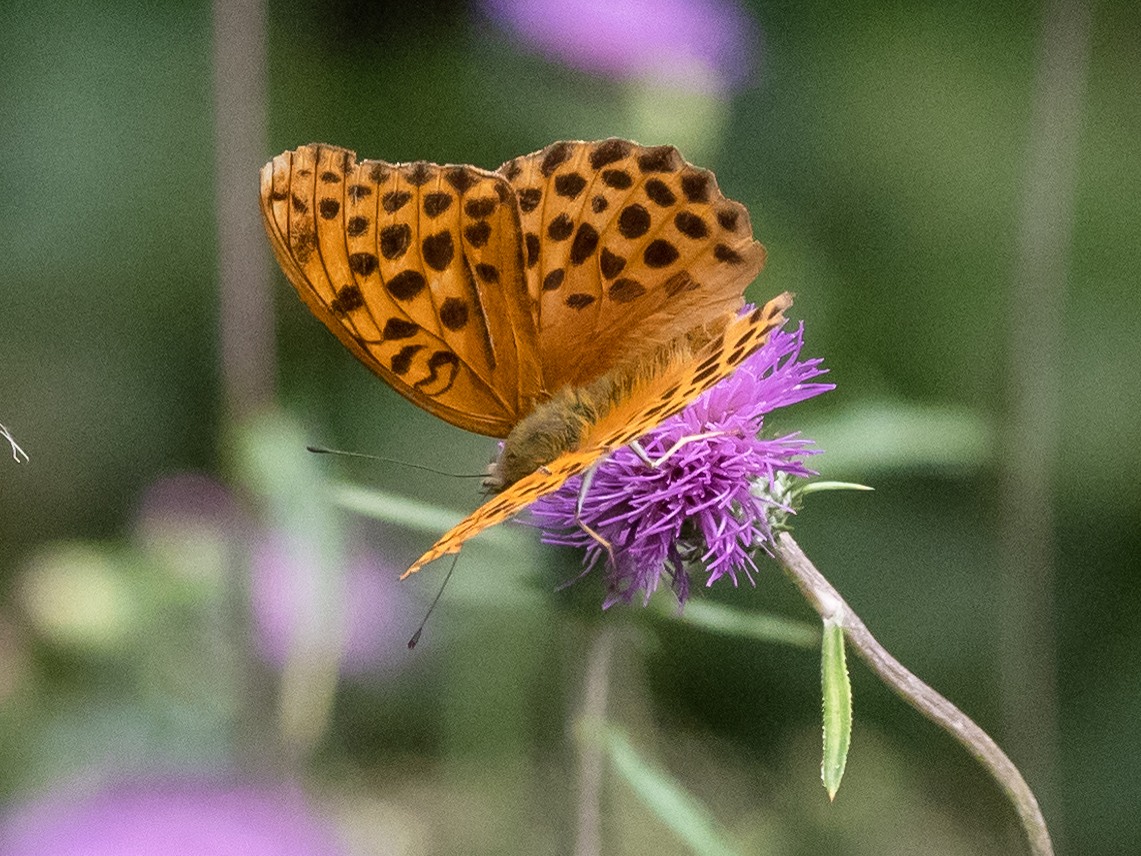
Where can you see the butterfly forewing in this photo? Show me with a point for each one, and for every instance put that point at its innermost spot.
(656, 397)
(507, 504)
(628, 247)
(417, 268)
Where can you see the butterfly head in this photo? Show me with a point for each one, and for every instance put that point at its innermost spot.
(552, 428)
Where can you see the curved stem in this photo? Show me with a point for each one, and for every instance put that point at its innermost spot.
(827, 601)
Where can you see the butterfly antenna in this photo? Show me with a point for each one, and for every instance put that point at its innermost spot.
(416, 636)
(321, 450)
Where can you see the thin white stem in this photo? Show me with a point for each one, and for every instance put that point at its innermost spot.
(654, 463)
(17, 452)
(587, 478)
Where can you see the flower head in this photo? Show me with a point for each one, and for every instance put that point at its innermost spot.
(168, 817)
(691, 44)
(708, 501)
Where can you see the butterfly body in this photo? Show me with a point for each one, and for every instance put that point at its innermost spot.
(560, 424)
(568, 301)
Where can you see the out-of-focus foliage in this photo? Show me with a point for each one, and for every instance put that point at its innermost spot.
(165, 612)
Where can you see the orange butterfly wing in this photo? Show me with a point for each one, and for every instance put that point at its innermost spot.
(651, 400)
(418, 270)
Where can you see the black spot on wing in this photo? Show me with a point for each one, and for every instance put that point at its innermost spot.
(478, 234)
(634, 221)
(695, 186)
(399, 328)
(347, 300)
(691, 225)
(619, 179)
(570, 185)
(659, 159)
(440, 361)
(395, 240)
(728, 218)
(660, 253)
(727, 254)
(610, 264)
(480, 207)
(357, 192)
(529, 199)
(659, 193)
(437, 250)
(406, 284)
(625, 290)
(609, 151)
(394, 200)
(556, 155)
(554, 279)
(560, 228)
(461, 179)
(486, 272)
(363, 264)
(584, 244)
(436, 203)
(418, 173)
(454, 313)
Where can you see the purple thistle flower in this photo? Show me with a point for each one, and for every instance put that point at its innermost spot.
(709, 501)
(168, 817)
(692, 44)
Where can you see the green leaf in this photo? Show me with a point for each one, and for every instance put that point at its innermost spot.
(837, 691)
(717, 618)
(817, 486)
(666, 798)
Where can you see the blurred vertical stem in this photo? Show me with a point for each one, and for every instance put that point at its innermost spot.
(832, 607)
(1026, 514)
(246, 322)
(590, 751)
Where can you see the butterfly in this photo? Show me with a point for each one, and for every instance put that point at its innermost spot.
(567, 302)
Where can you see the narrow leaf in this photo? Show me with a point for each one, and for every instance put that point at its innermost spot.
(837, 692)
(717, 618)
(667, 799)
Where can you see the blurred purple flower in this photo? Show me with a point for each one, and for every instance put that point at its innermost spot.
(284, 593)
(707, 502)
(169, 818)
(691, 44)
(186, 496)
(191, 524)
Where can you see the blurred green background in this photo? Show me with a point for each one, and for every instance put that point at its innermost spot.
(174, 577)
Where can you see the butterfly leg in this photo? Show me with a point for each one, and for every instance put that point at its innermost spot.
(637, 449)
(587, 478)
